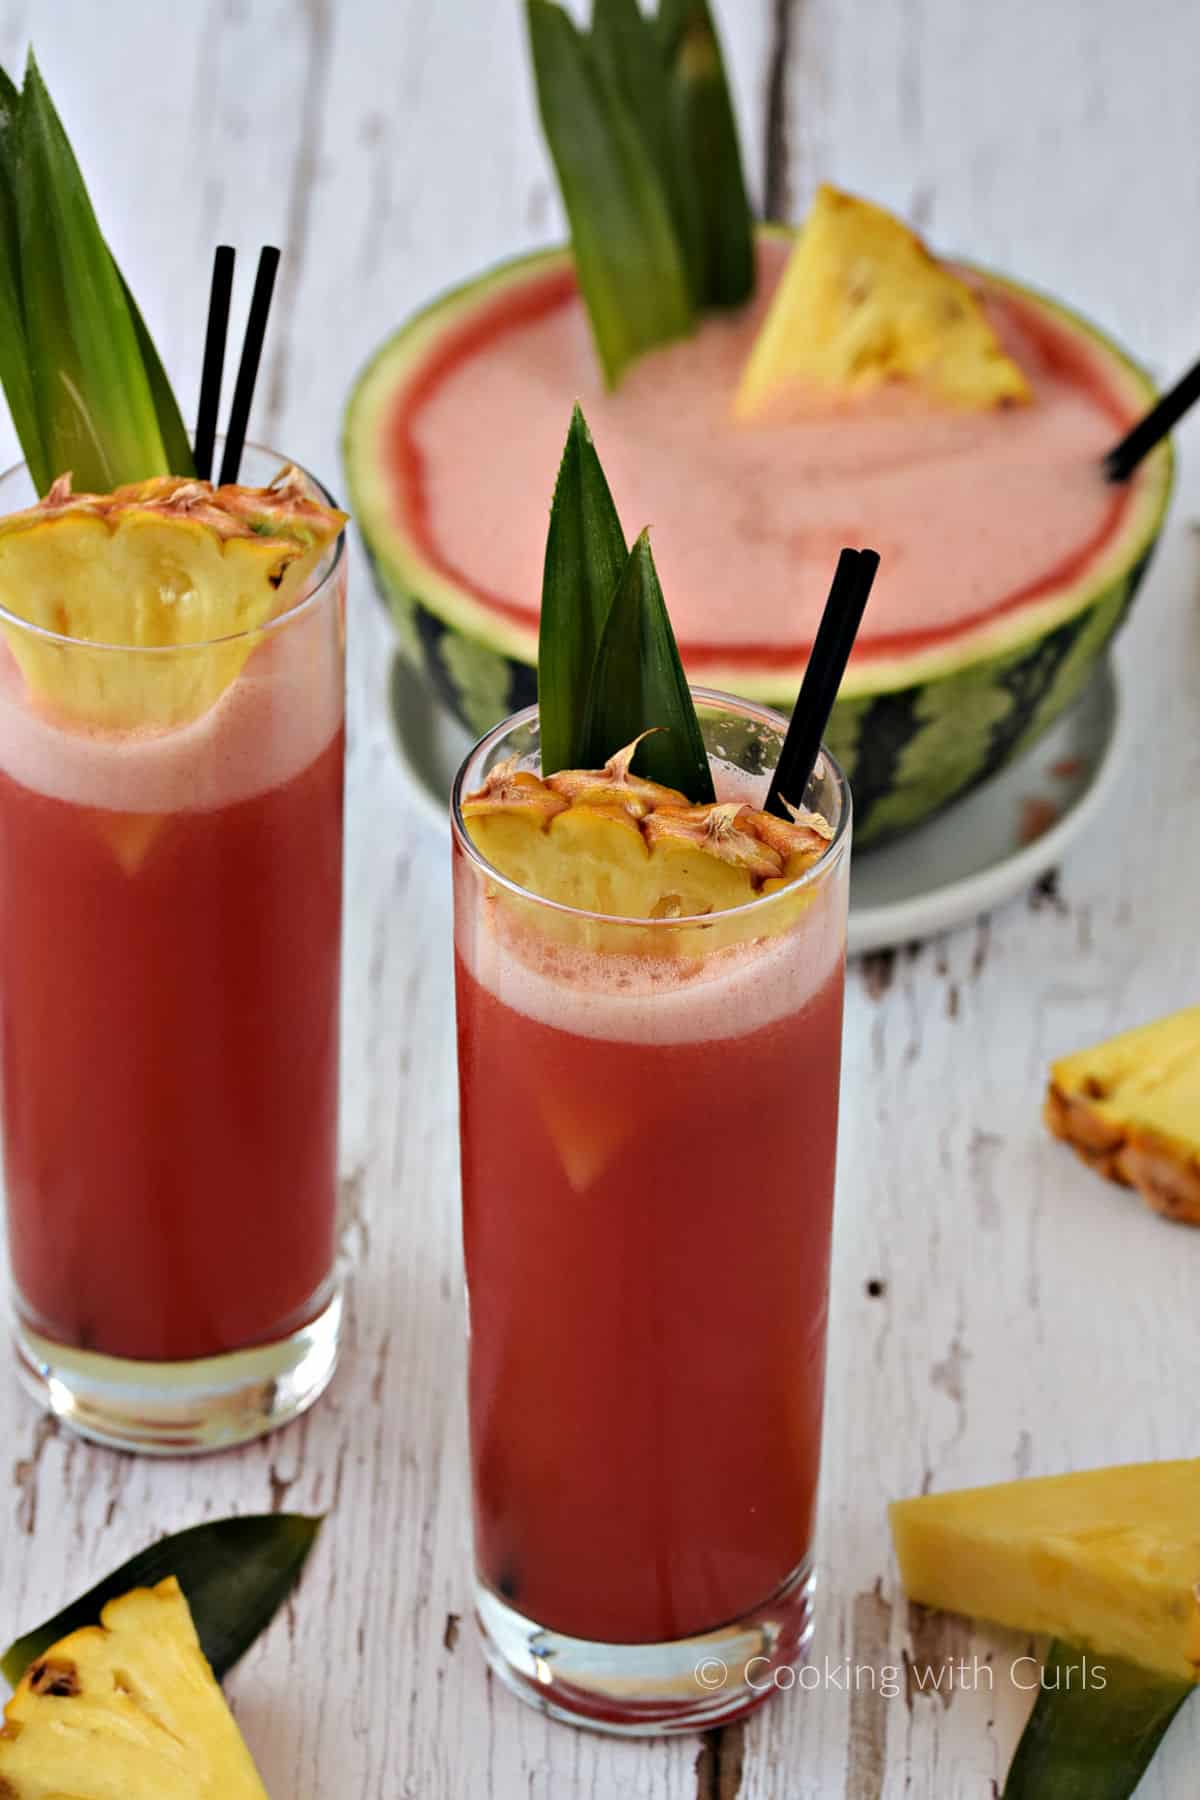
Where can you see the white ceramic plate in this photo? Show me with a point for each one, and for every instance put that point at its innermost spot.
(999, 839)
(978, 853)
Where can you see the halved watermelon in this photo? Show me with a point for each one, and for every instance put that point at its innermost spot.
(938, 696)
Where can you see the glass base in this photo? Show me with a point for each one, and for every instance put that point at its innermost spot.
(182, 1408)
(650, 1690)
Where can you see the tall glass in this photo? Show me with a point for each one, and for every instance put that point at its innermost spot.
(170, 926)
(649, 1120)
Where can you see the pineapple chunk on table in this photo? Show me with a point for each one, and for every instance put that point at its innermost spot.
(1105, 1559)
(125, 1710)
(1131, 1108)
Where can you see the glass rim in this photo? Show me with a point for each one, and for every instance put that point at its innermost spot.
(820, 872)
(308, 599)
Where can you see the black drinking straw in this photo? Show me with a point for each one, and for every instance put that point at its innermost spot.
(1138, 442)
(214, 359)
(247, 375)
(823, 677)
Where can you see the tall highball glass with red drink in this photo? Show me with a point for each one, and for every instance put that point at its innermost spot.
(170, 923)
(649, 1121)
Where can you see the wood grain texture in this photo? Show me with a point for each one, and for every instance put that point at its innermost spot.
(996, 1310)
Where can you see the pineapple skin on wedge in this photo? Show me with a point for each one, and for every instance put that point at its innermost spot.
(125, 1710)
(863, 303)
(162, 564)
(606, 841)
(1131, 1108)
(1106, 1559)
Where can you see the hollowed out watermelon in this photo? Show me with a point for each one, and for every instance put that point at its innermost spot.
(925, 713)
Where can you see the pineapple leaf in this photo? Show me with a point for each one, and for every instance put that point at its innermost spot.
(585, 557)
(92, 393)
(631, 269)
(236, 1574)
(1087, 1741)
(638, 685)
(14, 358)
(175, 439)
(703, 128)
(626, 42)
(641, 127)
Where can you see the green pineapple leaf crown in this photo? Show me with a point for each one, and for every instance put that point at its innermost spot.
(86, 388)
(641, 127)
(608, 665)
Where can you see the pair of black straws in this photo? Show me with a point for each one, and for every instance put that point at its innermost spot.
(213, 368)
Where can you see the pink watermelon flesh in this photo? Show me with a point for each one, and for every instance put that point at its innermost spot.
(975, 515)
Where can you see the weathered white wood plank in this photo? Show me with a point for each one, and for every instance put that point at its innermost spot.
(1050, 141)
(327, 130)
(1032, 1318)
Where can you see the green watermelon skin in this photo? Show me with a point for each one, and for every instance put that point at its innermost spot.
(909, 748)
(476, 683)
(910, 752)
(907, 753)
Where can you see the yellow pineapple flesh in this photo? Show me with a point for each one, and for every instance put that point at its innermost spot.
(1106, 1559)
(1131, 1108)
(125, 1710)
(162, 564)
(862, 303)
(606, 841)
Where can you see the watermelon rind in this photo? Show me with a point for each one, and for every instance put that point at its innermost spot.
(913, 731)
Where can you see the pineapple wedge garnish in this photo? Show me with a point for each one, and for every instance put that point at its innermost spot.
(164, 563)
(1131, 1108)
(1106, 1559)
(607, 841)
(125, 1710)
(862, 303)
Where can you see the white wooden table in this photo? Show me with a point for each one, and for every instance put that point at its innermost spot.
(1031, 1318)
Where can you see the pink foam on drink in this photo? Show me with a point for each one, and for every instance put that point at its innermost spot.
(271, 722)
(647, 1000)
(673, 998)
(966, 509)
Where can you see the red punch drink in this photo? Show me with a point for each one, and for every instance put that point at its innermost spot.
(649, 1117)
(170, 925)
(119, 993)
